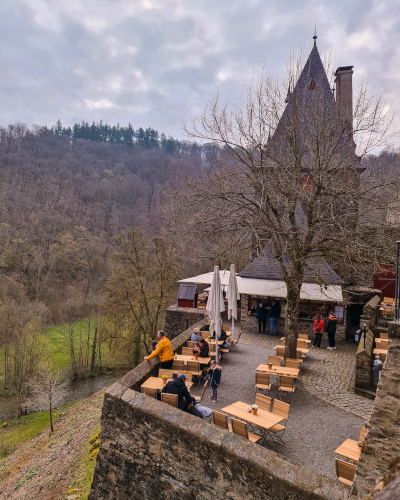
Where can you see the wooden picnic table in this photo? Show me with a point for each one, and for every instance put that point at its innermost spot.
(280, 370)
(299, 340)
(228, 333)
(202, 361)
(212, 342)
(349, 449)
(263, 419)
(157, 383)
(298, 349)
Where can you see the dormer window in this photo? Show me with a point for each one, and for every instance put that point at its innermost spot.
(311, 86)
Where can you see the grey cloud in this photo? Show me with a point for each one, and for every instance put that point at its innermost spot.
(114, 60)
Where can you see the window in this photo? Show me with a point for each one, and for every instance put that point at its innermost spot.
(311, 86)
(339, 312)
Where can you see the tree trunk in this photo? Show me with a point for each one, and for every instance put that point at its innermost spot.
(51, 416)
(292, 319)
(94, 350)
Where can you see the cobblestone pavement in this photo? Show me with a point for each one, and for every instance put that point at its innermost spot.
(328, 375)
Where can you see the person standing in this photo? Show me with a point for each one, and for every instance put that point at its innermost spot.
(164, 349)
(330, 329)
(274, 315)
(319, 326)
(261, 316)
(215, 378)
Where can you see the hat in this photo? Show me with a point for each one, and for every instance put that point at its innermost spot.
(182, 377)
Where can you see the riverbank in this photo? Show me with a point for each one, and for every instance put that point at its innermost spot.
(76, 390)
(52, 466)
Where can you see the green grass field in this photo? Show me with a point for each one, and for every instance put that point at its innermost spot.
(57, 347)
(19, 430)
(58, 341)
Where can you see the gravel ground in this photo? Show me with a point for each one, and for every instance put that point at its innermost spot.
(314, 429)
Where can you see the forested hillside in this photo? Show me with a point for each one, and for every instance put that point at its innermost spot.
(62, 201)
(66, 204)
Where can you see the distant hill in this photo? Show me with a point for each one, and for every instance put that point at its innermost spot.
(66, 192)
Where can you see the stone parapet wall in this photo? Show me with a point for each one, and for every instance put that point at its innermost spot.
(151, 451)
(382, 442)
(370, 312)
(249, 323)
(179, 319)
(135, 378)
(363, 361)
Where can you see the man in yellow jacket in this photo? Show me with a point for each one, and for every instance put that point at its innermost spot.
(163, 349)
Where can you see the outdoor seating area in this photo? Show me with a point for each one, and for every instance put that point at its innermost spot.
(261, 398)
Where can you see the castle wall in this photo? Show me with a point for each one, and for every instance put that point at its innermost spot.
(151, 451)
(382, 442)
(249, 323)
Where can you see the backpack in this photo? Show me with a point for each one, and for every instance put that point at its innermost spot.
(317, 328)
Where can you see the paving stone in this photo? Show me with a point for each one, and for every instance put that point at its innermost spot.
(328, 375)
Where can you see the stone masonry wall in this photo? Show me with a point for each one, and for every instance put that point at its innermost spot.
(382, 442)
(370, 311)
(363, 361)
(179, 319)
(249, 323)
(151, 451)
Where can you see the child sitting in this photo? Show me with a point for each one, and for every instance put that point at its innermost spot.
(215, 378)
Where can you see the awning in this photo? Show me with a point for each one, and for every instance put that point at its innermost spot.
(273, 288)
(206, 279)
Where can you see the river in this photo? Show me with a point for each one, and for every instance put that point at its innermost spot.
(76, 390)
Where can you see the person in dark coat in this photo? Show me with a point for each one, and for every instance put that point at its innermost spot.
(274, 315)
(261, 315)
(178, 387)
(215, 379)
(330, 329)
(222, 337)
(202, 349)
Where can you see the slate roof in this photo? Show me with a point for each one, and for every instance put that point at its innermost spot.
(187, 292)
(266, 267)
(311, 85)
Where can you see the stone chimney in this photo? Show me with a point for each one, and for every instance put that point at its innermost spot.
(344, 93)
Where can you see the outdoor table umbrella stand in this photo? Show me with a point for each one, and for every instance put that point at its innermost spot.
(233, 297)
(215, 306)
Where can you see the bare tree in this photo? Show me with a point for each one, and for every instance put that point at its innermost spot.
(287, 174)
(48, 390)
(25, 356)
(140, 286)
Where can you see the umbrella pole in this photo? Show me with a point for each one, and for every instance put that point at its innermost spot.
(233, 328)
(216, 345)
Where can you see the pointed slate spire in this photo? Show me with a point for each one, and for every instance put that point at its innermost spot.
(315, 35)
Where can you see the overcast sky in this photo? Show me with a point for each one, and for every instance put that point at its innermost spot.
(152, 62)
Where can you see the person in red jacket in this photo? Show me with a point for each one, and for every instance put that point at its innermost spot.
(319, 327)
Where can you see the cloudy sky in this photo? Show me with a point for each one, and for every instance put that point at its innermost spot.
(152, 62)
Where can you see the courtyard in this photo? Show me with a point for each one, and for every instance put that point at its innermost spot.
(325, 410)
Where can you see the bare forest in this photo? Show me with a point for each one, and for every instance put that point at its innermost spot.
(73, 213)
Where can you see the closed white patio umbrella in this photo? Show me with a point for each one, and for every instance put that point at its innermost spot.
(233, 297)
(215, 306)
